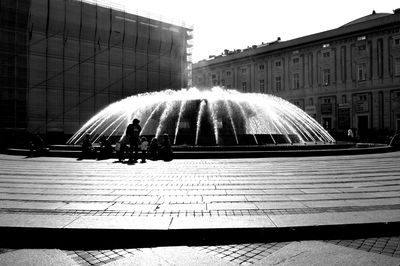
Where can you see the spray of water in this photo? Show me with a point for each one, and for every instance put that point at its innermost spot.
(226, 112)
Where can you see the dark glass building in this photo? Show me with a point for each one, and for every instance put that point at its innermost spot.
(61, 61)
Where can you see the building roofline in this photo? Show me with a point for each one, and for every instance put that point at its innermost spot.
(326, 36)
(140, 13)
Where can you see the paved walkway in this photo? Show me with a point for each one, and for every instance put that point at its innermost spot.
(182, 195)
(187, 194)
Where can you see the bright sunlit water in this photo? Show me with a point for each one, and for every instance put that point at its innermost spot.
(207, 117)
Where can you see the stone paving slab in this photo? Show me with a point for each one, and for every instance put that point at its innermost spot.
(34, 257)
(35, 220)
(317, 253)
(339, 218)
(221, 222)
(171, 256)
(114, 222)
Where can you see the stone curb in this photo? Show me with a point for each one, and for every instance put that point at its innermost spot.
(220, 154)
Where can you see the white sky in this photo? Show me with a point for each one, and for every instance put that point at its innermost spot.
(233, 24)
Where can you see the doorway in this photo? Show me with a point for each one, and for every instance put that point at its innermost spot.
(327, 123)
(362, 126)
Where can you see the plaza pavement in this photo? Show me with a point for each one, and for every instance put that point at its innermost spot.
(282, 199)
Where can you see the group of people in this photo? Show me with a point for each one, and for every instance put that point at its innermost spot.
(37, 146)
(154, 150)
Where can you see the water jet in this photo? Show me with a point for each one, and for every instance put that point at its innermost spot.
(215, 117)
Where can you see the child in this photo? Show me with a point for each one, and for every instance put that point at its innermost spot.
(121, 148)
(143, 146)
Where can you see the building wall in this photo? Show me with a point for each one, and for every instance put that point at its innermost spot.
(13, 63)
(78, 58)
(351, 80)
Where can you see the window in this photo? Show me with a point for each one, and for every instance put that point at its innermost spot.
(397, 66)
(278, 63)
(229, 86)
(261, 67)
(396, 41)
(262, 87)
(310, 101)
(362, 47)
(296, 82)
(228, 73)
(244, 70)
(362, 97)
(213, 76)
(326, 77)
(361, 72)
(327, 100)
(296, 60)
(278, 83)
(344, 98)
(244, 86)
(222, 82)
(326, 54)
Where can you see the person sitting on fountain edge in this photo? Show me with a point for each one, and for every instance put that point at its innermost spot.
(87, 147)
(106, 150)
(166, 148)
(133, 132)
(153, 150)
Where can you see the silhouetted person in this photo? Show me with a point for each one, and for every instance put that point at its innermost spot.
(133, 132)
(121, 148)
(105, 148)
(87, 147)
(166, 148)
(144, 145)
(153, 149)
(350, 135)
(36, 145)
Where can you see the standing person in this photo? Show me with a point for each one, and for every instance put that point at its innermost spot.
(350, 135)
(133, 131)
(143, 147)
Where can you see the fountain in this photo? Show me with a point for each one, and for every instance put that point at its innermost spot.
(215, 117)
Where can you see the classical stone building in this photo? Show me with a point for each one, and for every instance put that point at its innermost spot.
(61, 61)
(348, 77)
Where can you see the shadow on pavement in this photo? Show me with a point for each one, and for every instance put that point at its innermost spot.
(12, 237)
